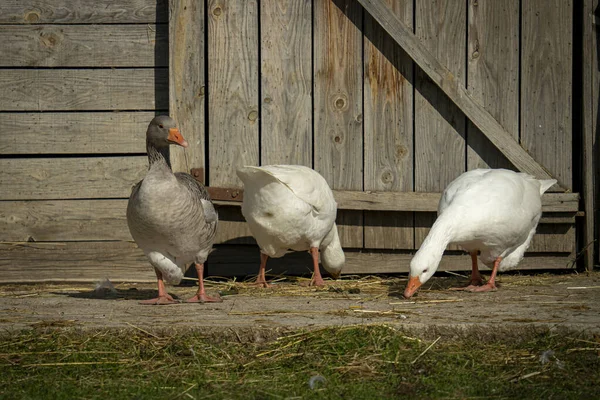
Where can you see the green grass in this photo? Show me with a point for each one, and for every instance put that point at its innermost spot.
(372, 362)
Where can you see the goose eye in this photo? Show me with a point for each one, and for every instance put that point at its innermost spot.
(161, 126)
(425, 270)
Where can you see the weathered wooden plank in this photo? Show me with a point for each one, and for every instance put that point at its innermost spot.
(244, 260)
(421, 201)
(74, 262)
(546, 73)
(338, 110)
(70, 178)
(83, 11)
(286, 79)
(451, 86)
(554, 238)
(493, 75)
(84, 45)
(124, 262)
(233, 90)
(187, 86)
(74, 132)
(439, 124)
(591, 162)
(233, 45)
(77, 220)
(63, 220)
(70, 90)
(388, 132)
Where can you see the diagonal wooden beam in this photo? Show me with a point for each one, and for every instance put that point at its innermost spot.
(457, 93)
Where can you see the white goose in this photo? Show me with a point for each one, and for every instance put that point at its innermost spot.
(493, 212)
(292, 207)
(170, 216)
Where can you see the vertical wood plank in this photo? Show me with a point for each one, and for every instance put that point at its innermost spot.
(186, 81)
(233, 90)
(233, 102)
(439, 125)
(493, 75)
(546, 87)
(388, 101)
(338, 105)
(591, 127)
(286, 78)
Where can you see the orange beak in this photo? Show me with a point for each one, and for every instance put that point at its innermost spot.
(176, 138)
(413, 284)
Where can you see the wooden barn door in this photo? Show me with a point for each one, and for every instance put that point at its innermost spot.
(388, 101)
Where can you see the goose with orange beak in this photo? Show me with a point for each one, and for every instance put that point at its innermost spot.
(492, 214)
(170, 215)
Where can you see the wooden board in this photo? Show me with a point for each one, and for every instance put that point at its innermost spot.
(70, 178)
(338, 109)
(388, 129)
(124, 262)
(493, 75)
(546, 73)
(63, 220)
(70, 90)
(589, 104)
(74, 132)
(439, 124)
(244, 260)
(84, 45)
(233, 92)
(286, 82)
(187, 88)
(83, 11)
(74, 262)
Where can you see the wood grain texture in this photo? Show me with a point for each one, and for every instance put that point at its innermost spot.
(493, 75)
(74, 262)
(337, 52)
(244, 260)
(388, 129)
(187, 86)
(81, 90)
(73, 132)
(70, 178)
(233, 90)
(591, 171)
(286, 79)
(546, 73)
(63, 220)
(450, 84)
(124, 262)
(77, 220)
(439, 124)
(84, 45)
(233, 65)
(83, 11)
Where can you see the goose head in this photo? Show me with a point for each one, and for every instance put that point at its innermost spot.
(422, 267)
(163, 132)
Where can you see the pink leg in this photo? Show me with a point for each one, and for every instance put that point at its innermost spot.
(163, 296)
(201, 296)
(491, 283)
(260, 279)
(476, 280)
(316, 280)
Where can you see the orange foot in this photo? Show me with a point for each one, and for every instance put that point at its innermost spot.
(488, 287)
(318, 281)
(204, 298)
(159, 301)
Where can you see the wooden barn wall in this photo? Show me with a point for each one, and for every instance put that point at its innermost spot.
(317, 83)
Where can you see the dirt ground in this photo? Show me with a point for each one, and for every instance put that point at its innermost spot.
(568, 302)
